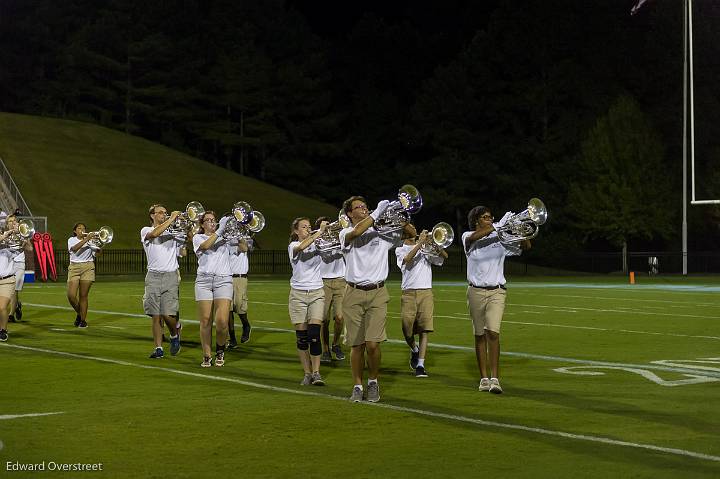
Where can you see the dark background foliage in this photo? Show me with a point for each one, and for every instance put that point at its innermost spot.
(486, 102)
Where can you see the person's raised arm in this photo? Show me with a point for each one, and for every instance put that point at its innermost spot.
(414, 251)
(160, 229)
(366, 223)
(310, 239)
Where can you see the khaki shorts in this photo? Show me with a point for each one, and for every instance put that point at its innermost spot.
(416, 310)
(334, 294)
(161, 294)
(7, 287)
(365, 314)
(240, 297)
(486, 308)
(81, 271)
(305, 306)
(19, 269)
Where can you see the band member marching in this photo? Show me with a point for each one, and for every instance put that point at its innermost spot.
(366, 297)
(19, 269)
(486, 291)
(7, 279)
(416, 302)
(81, 272)
(213, 286)
(162, 281)
(306, 301)
(239, 265)
(333, 276)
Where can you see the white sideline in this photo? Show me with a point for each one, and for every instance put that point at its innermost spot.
(421, 412)
(15, 416)
(589, 362)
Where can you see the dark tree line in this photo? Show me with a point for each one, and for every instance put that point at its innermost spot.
(475, 102)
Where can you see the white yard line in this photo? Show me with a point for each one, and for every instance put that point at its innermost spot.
(403, 409)
(37, 414)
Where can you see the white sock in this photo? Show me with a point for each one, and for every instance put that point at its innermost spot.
(372, 381)
(173, 337)
(359, 386)
(159, 347)
(421, 362)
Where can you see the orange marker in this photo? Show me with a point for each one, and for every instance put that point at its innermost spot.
(632, 277)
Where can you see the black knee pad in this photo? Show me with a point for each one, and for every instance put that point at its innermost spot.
(314, 338)
(302, 340)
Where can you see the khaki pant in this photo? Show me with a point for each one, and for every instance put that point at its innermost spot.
(305, 306)
(81, 271)
(416, 310)
(334, 294)
(365, 314)
(240, 297)
(7, 287)
(486, 308)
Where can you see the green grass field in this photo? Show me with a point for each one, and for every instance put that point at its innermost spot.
(71, 171)
(647, 405)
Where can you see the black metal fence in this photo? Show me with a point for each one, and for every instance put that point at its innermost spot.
(132, 261)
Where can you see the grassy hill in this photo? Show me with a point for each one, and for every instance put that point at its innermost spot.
(71, 171)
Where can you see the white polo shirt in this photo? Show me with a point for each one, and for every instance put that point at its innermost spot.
(239, 261)
(417, 273)
(162, 252)
(216, 259)
(7, 267)
(84, 254)
(333, 264)
(486, 259)
(366, 257)
(20, 258)
(306, 267)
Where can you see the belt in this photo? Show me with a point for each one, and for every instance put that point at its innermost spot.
(240, 276)
(489, 288)
(367, 287)
(8, 276)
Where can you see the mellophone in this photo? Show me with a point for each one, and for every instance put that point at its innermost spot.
(243, 221)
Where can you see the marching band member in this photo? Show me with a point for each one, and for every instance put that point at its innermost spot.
(213, 286)
(7, 281)
(486, 291)
(306, 301)
(19, 269)
(416, 302)
(239, 266)
(366, 298)
(162, 281)
(81, 272)
(333, 276)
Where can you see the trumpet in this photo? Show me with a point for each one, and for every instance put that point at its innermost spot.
(441, 237)
(102, 236)
(524, 225)
(189, 221)
(24, 230)
(398, 212)
(330, 239)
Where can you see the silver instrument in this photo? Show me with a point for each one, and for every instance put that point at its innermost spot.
(441, 237)
(330, 239)
(189, 221)
(398, 212)
(524, 225)
(23, 231)
(103, 236)
(243, 222)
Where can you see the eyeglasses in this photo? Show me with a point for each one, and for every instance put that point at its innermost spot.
(210, 220)
(364, 207)
(487, 217)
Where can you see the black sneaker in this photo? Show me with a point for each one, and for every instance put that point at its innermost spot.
(174, 345)
(11, 318)
(246, 333)
(83, 324)
(3, 335)
(77, 321)
(339, 355)
(157, 354)
(414, 360)
(18, 311)
(420, 372)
